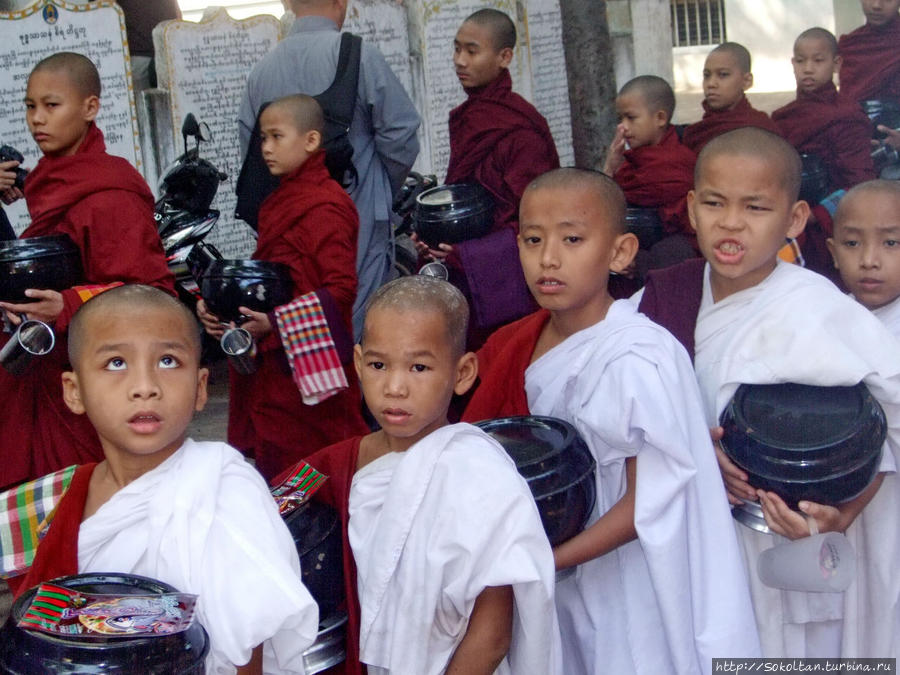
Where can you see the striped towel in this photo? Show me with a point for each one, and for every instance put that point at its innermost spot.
(25, 515)
(88, 291)
(310, 349)
(297, 488)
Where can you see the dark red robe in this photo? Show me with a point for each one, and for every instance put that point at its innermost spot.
(871, 62)
(57, 554)
(660, 176)
(832, 127)
(717, 122)
(105, 206)
(672, 299)
(310, 224)
(339, 462)
(502, 362)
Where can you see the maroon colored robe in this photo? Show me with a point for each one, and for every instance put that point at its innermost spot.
(871, 62)
(660, 176)
(57, 554)
(309, 224)
(717, 122)
(832, 127)
(339, 462)
(672, 299)
(502, 362)
(105, 206)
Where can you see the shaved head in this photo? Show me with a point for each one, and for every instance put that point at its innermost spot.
(419, 294)
(498, 24)
(127, 299)
(79, 69)
(304, 110)
(780, 155)
(738, 52)
(817, 33)
(604, 188)
(656, 92)
(888, 190)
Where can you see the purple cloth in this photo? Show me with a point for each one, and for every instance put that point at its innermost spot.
(672, 299)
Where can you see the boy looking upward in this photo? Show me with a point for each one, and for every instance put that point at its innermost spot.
(447, 541)
(659, 544)
(866, 247)
(726, 76)
(871, 68)
(650, 164)
(104, 205)
(194, 515)
(309, 224)
(500, 141)
(747, 317)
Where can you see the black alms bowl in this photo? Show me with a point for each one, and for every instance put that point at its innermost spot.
(449, 214)
(814, 181)
(557, 466)
(25, 652)
(316, 529)
(260, 285)
(47, 263)
(645, 224)
(886, 113)
(821, 444)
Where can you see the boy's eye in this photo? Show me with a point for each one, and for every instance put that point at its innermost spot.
(850, 243)
(890, 243)
(377, 365)
(572, 239)
(711, 202)
(419, 368)
(532, 240)
(757, 207)
(115, 363)
(168, 361)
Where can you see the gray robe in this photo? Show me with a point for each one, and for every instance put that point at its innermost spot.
(383, 132)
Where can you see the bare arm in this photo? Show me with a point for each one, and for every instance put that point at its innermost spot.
(614, 528)
(255, 665)
(488, 635)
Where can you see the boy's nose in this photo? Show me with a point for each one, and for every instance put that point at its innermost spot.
(144, 385)
(549, 255)
(395, 385)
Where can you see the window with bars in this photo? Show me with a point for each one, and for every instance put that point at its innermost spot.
(697, 22)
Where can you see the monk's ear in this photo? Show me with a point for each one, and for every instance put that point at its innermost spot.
(90, 107)
(72, 393)
(691, 198)
(799, 216)
(624, 248)
(358, 360)
(506, 55)
(202, 392)
(312, 141)
(830, 244)
(747, 81)
(466, 373)
(838, 62)
(661, 118)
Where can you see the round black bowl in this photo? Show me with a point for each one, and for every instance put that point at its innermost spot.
(316, 529)
(821, 444)
(24, 652)
(645, 224)
(886, 113)
(814, 180)
(47, 263)
(557, 466)
(449, 214)
(260, 285)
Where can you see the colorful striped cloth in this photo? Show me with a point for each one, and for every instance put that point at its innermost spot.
(88, 291)
(47, 609)
(790, 252)
(314, 361)
(297, 488)
(25, 514)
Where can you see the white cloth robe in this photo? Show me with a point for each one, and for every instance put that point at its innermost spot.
(795, 326)
(890, 316)
(204, 522)
(674, 598)
(430, 530)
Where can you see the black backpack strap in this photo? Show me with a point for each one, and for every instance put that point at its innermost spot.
(339, 100)
(254, 182)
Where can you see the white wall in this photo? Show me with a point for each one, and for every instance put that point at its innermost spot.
(768, 29)
(192, 10)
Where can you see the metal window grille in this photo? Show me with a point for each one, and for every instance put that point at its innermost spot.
(697, 22)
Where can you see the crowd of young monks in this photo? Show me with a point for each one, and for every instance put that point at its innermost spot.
(446, 566)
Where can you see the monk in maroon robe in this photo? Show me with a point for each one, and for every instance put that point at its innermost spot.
(309, 224)
(500, 141)
(871, 59)
(717, 122)
(104, 205)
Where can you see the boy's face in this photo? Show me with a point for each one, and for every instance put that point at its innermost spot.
(641, 125)
(814, 63)
(567, 246)
(880, 12)
(408, 372)
(138, 379)
(723, 82)
(284, 147)
(742, 215)
(478, 62)
(866, 247)
(57, 112)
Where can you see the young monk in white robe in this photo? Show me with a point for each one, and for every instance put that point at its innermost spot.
(761, 321)
(866, 248)
(194, 515)
(455, 573)
(660, 585)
